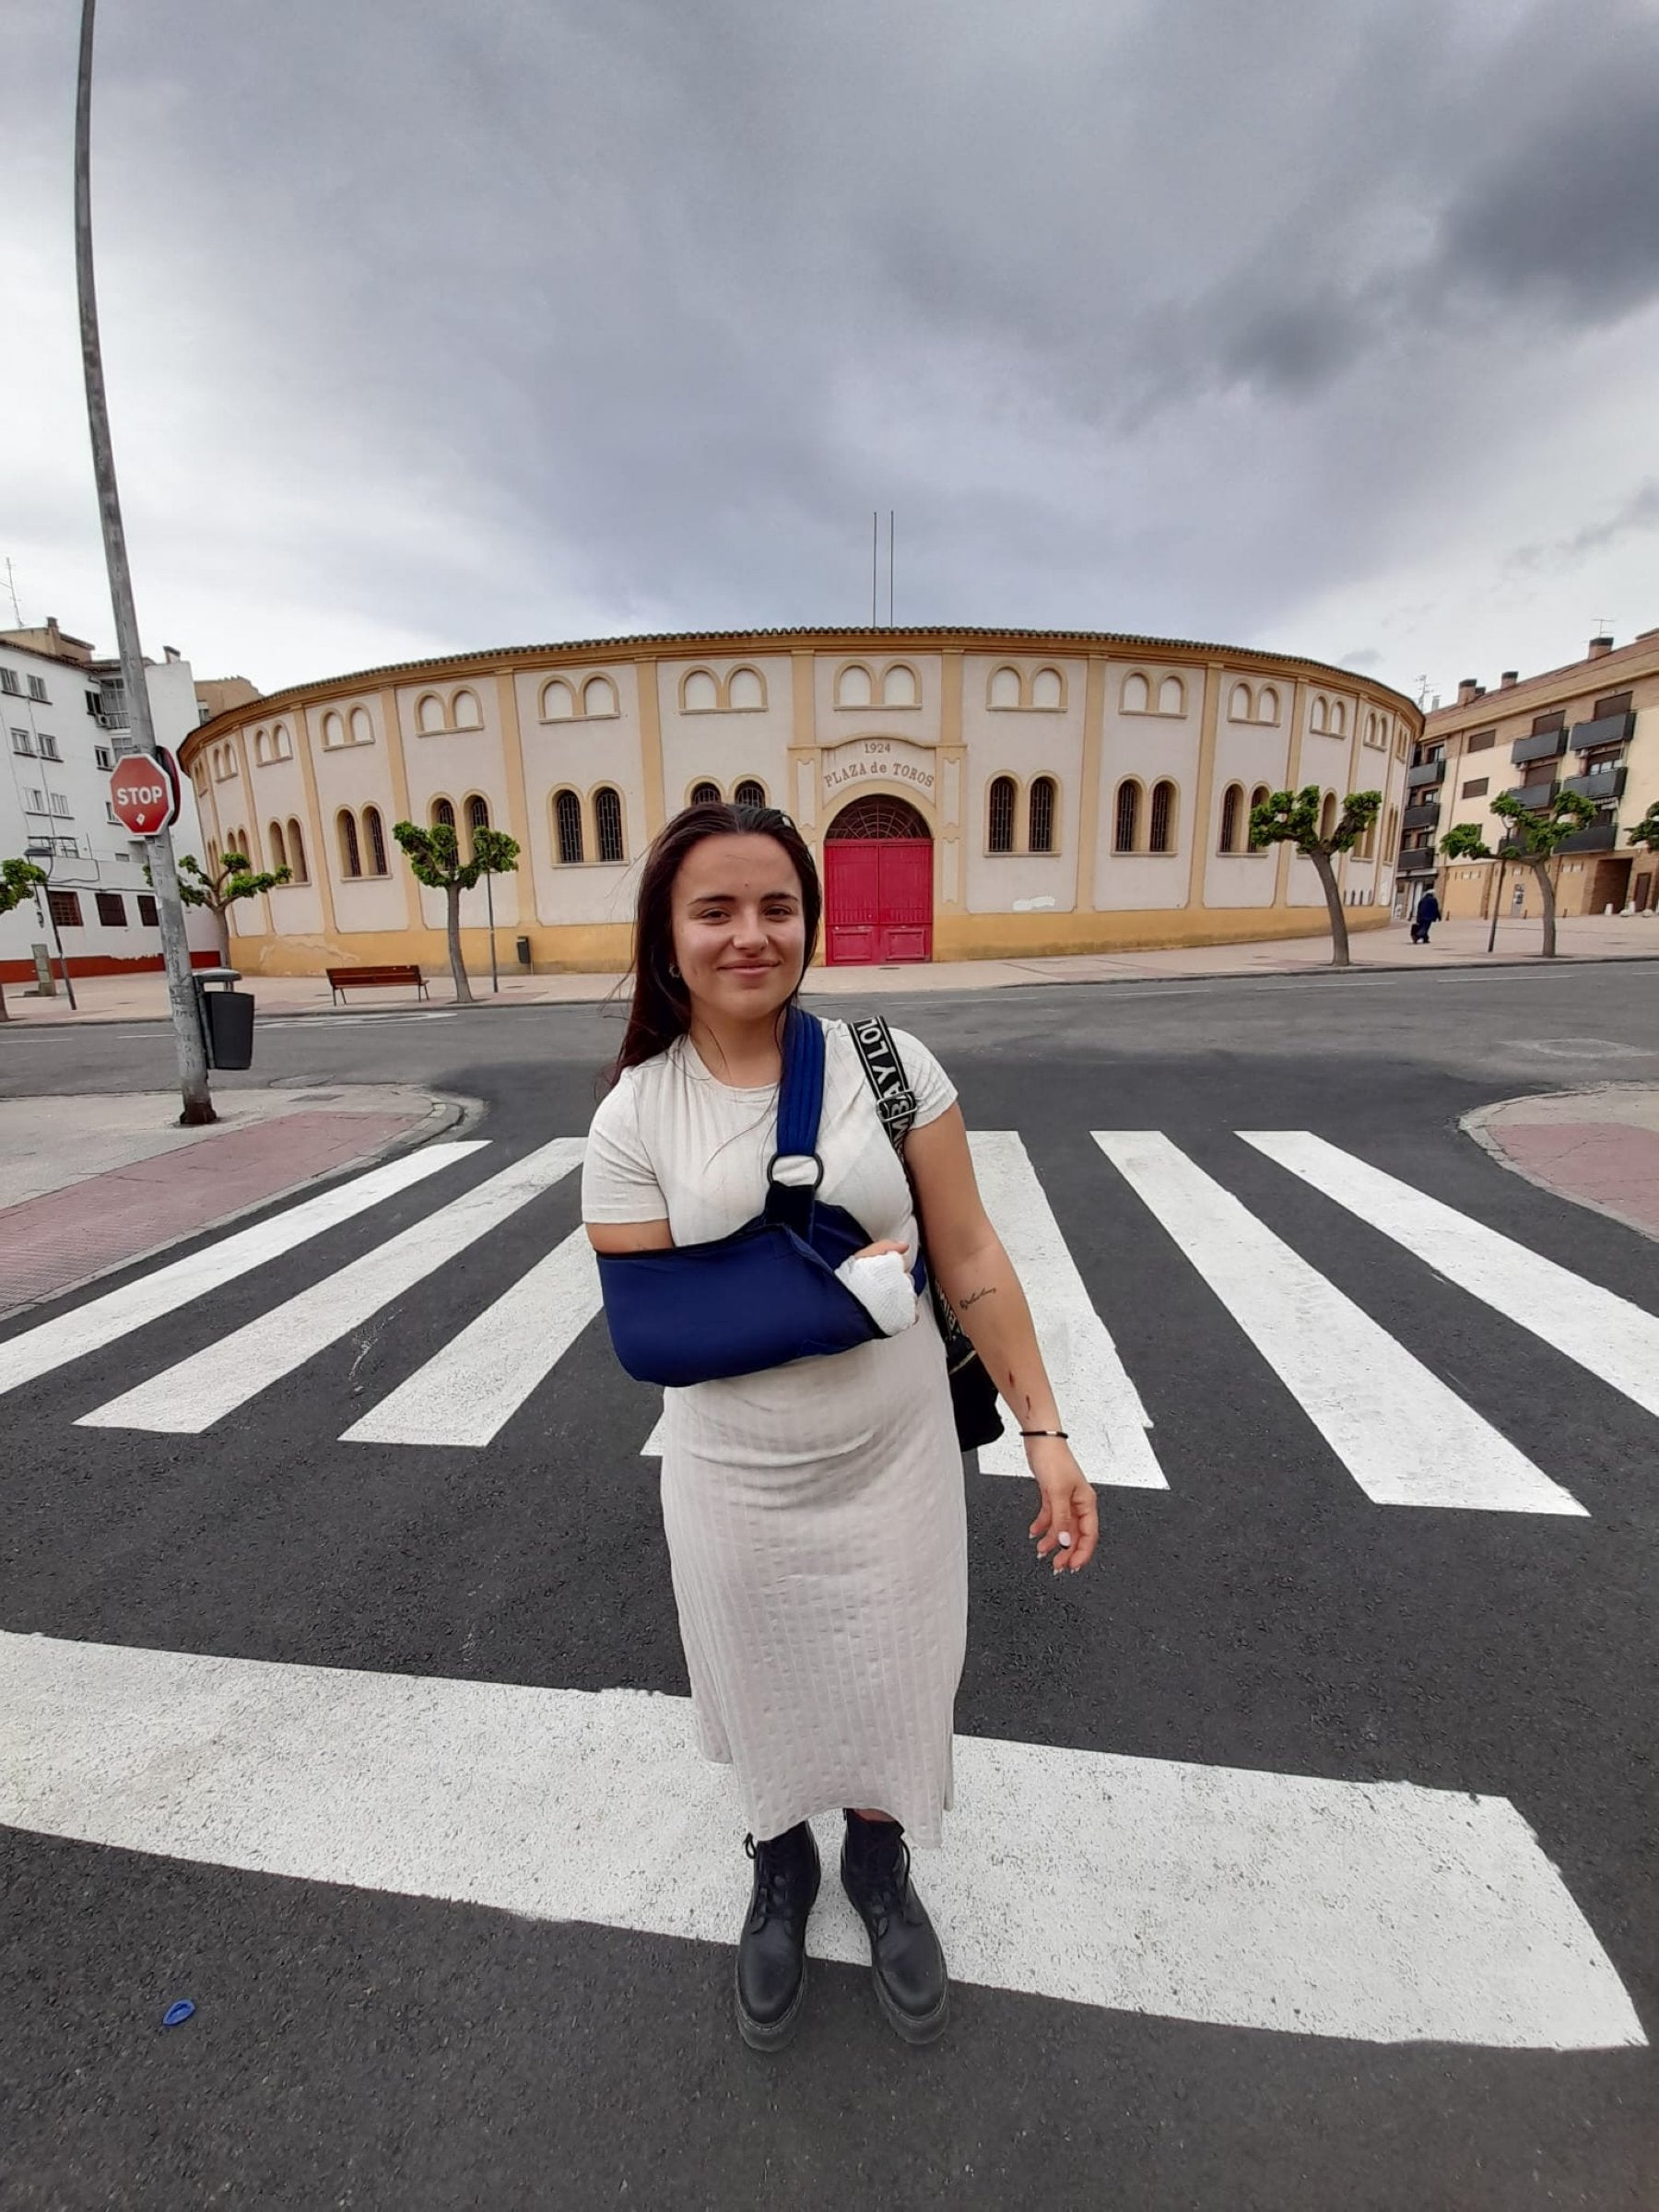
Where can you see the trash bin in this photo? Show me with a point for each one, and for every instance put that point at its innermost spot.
(524, 952)
(226, 1017)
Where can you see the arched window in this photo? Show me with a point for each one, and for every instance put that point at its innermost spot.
(746, 691)
(598, 696)
(279, 850)
(1047, 690)
(1367, 841)
(1136, 699)
(429, 711)
(1267, 705)
(1391, 843)
(700, 694)
(1317, 711)
(1238, 706)
(1039, 825)
(704, 793)
(259, 748)
(558, 700)
(477, 817)
(1126, 826)
(567, 823)
(334, 731)
(607, 824)
(898, 687)
(1233, 806)
(999, 833)
(351, 859)
(749, 793)
(1004, 690)
(362, 729)
(443, 814)
(464, 711)
(853, 686)
(1160, 835)
(1171, 696)
(376, 836)
(1258, 797)
(1327, 815)
(282, 745)
(295, 851)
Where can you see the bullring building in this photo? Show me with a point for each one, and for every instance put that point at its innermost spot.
(970, 794)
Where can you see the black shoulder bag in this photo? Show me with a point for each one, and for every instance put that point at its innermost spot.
(972, 1393)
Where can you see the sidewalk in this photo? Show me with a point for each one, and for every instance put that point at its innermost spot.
(1599, 1146)
(91, 1184)
(1456, 945)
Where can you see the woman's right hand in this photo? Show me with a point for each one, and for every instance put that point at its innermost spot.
(874, 1252)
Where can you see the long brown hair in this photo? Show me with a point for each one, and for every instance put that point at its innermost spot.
(661, 1006)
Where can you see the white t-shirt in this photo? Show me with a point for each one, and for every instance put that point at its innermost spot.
(672, 1142)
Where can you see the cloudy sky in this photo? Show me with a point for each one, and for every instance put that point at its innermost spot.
(1330, 325)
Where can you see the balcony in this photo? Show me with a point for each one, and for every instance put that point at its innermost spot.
(1424, 773)
(1598, 837)
(1601, 785)
(1421, 817)
(1547, 745)
(1536, 797)
(1612, 729)
(1416, 860)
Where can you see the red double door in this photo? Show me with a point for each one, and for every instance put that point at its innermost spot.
(878, 901)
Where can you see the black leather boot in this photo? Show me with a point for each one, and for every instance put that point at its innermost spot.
(906, 1963)
(771, 1951)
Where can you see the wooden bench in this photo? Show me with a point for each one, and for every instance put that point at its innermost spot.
(374, 979)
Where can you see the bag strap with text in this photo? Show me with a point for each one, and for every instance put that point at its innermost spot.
(884, 1071)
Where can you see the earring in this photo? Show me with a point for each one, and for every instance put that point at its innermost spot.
(674, 972)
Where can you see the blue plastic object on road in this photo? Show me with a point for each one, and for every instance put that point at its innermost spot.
(176, 2015)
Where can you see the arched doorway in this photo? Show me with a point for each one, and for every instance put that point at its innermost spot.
(877, 883)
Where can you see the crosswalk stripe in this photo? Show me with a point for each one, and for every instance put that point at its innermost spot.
(53, 1344)
(467, 1392)
(1379, 1911)
(1404, 1436)
(192, 1395)
(1616, 1340)
(1101, 1406)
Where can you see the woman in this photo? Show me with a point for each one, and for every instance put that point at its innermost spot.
(814, 1511)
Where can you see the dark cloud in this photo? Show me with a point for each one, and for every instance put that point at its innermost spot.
(1635, 517)
(510, 317)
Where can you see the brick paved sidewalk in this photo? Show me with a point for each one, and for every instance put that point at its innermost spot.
(90, 1184)
(1599, 1148)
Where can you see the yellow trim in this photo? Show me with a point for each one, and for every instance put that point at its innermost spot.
(518, 797)
(651, 746)
(1281, 874)
(1088, 813)
(392, 731)
(1206, 777)
(321, 876)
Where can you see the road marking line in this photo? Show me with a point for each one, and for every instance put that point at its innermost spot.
(467, 1392)
(1406, 1437)
(191, 1396)
(1102, 1409)
(1617, 1342)
(1380, 1911)
(53, 1344)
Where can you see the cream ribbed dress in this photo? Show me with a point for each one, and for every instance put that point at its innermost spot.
(814, 1512)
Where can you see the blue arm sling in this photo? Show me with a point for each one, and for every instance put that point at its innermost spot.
(765, 1295)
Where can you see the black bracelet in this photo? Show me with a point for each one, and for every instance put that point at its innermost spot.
(1061, 1433)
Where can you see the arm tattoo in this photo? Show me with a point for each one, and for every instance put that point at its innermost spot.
(973, 1297)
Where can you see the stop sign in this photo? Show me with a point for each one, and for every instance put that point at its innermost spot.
(144, 791)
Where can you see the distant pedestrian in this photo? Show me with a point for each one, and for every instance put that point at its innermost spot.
(815, 1509)
(1423, 921)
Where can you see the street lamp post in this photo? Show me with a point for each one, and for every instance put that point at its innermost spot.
(164, 875)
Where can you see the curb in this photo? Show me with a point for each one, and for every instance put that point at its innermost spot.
(1478, 1124)
(447, 1110)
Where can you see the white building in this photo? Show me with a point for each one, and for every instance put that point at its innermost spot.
(63, 724)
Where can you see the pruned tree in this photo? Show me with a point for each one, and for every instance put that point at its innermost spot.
(1534, 835)
(1293, 818)
(434, 857)
(19, 879)
(1646, 832)
(219, 891)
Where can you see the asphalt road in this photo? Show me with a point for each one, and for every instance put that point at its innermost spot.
(362, 2046)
